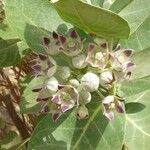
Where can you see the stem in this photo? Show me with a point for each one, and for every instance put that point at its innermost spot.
(100, 94)
(6, 98)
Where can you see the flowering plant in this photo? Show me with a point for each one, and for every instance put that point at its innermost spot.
(81, 70)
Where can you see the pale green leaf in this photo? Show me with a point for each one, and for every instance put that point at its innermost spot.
(11, 51)
(142, 61)
(137, 129)
(32, 19)
(99, 21)
(119, 5)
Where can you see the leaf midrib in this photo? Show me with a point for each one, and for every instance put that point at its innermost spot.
(87, 125)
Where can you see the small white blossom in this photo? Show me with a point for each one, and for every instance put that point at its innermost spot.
(90, 82)
(52, 84)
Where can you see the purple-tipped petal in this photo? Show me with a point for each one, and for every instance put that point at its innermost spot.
(117, 48)
(42, 57)
(130, 64)
(128, 52)
(33, 62)
(91, 46)
(55, 35)
(128, 75)
(65, 107)
(109, 115)
(36, 67)
(55, 116)
(45, 109)
(103, 45)
(62, 39)
(74, 34)
(46, 41)
(120, 108)
(56, 99)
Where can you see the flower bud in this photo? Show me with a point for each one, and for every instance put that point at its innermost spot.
(90, 82)
(84, 97)
(74, 82)
(79, 61)
(64, 72)
(52, 84)
(82, 112)
(106, 79)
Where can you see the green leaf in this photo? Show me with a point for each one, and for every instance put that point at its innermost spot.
(99, 21)
(119, 5)
(137, 124)
(142, 61)
(6, 32)
(139, 40)
(32, 19)
(28, 103)
(9, 52)
(68, 133)
(136, 13)
(95, 2)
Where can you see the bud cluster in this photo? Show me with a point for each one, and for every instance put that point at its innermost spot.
(92, 66)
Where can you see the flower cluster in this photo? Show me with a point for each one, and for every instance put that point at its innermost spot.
(91, 66)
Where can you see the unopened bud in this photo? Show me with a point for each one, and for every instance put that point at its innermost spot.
(84, 97)
(52, 84)
(74, 82)
(79, 61)
(106, 78)
(82, 112)
(90, 82)
(64, 72)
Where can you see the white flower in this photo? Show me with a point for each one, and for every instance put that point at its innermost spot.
(84, 97)
(90, 82)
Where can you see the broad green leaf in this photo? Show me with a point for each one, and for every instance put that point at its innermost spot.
(136, 13)
(99, 21)
(68, 133)
(142, 61)
(137, 129)
(28, 103)
(32, 19)
(139, 40)
(6, 32)
(119, 5)
(9, 52)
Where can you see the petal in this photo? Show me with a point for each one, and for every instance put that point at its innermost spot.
(62, 39)
(109, 115)
(36, 67)
(128, 52)
(45, 109)
(91, 46)
(56, 99)
(120, 107)
(74, 34)
(109, 99)
(55, 116)
(42, 57)
(46, 41)
(103, 45)
(130, 64)
(37, 88)
(55, 35)
(65, 107)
